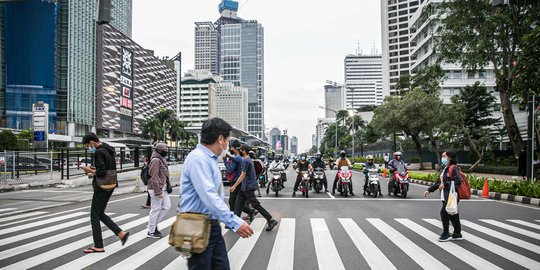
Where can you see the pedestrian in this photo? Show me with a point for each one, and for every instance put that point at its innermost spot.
(104, 161)
(233, 164)
(159, 186)
(522, 163)
(248, 182)
(148, 199)
(450, 172)
(386, 160)
(202, 192)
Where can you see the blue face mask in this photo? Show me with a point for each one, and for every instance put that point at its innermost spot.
(444, 161)
(91, 150)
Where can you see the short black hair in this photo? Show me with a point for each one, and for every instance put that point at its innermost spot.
(90, 137)
(246, 148)
(452, 158)
(236, 144)
(213, 128)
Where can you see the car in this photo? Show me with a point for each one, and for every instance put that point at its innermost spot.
(24, 163)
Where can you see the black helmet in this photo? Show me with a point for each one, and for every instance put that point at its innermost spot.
(342, 153)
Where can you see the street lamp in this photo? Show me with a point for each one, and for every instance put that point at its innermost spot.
(334, 111)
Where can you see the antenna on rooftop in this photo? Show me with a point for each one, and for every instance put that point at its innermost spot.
(358, 49)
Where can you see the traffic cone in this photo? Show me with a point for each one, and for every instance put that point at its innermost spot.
(384, 173)
(485, 191)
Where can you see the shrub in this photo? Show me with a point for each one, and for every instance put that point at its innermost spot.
(504, 170)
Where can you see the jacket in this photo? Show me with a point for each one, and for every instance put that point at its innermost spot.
(318, 164)
(159, 173)
(368, 167)
(105, 160)
(234, 165)
(446, 181)
(276, 166)
(393, 164)
(343, 162)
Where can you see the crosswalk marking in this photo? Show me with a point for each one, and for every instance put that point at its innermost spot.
(139, 258)
(504, 237)
(512, 228)
(525, 223)
(53, 239)
(112, 248)
(371, 253)
(85, 242)
(461, 253)
(420, 256)
(41, 222)
(501, 251)
(327, 254)
(239, 250)
(37, 213)
(282, 256)
(7, 209)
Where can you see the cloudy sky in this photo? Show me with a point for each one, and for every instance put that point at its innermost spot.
(306, 42)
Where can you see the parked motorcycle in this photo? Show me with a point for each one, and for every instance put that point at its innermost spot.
(401, 185)
(304, 185)
(277, 182)
(318, 179)
(344, 181)
(373, 182)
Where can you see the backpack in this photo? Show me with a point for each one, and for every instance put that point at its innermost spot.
(230, 175)
(259, 166)
(465, 188)
(145, 173)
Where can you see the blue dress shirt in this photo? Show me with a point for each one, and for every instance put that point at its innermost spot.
(200, 183)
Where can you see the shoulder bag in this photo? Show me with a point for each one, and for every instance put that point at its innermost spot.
(109, 181)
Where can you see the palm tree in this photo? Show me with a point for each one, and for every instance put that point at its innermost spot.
(359, 123)
(151, 129)
(164, 116)
(176, 129)
(341, 115)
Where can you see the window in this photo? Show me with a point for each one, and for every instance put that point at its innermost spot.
(482, 74)
(471, 74)
(456, 74)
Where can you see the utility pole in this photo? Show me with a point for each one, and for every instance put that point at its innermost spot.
(530, 136)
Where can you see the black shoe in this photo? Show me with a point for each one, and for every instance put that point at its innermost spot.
(333, 192)
(255, 212)
(352, 194)
(271, 224)
(364, 193)
(326, 190)
(157, 231)
(445, 237)
(456, 237)
(294, 194)
(153, 235)
(251, 217)
(282, 186)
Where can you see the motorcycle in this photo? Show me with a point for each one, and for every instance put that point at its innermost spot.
(304, 185)
(277, 182)
(318, 178)
(401, 183)
(331, 165)
(373, 182)
(263, 179)
(344, 181)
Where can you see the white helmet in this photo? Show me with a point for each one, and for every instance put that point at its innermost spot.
(369, 157)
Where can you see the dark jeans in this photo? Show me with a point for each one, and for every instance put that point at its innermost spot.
(334, 186)
(248, 197)
(214, 257)
(447, 218)
(97, 214)
(232, 201)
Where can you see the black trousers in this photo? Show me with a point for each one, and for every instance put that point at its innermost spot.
(97, 214)
(232, 201)
(248, 197)
(334, 186)
(214, 257)
(447, 218)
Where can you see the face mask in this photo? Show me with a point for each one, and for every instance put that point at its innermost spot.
(231, 151)
(224, 150)
(91, 150)
(303, 158)
(444, 161)
(163, 153)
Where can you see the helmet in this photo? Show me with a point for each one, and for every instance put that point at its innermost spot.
(263, 158)
(397, 153)
(342, 153)
(369, 157)
(318, 155)
(303, 156)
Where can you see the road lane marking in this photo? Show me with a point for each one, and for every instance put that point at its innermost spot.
(366, 199)
(464, 255)
(111, 249)
(41, 222)
(85, 242)
(282, 256)
(510, 239)
(330, 194)
(491, 247)
(525, 223)
(371, 253)
(241, 250)
(144, 255)
(325, 249)
(512, 228)
(7, 209)
(22, 216)
(420, 256)
(55, 238)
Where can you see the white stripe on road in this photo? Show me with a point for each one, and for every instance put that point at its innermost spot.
(330, 194)
(111, 249)
(510, 239)
(326, 251)
(525, 223)
(282, 256)
(466, 256)
(144, 255)
(31, 234)
(7, 209)
(21, 216)
(42, 222)
(53, 239)
(371, 253)
(85, 242)
(420, 256)
(512, 228)
(491, 247)
(241, 250)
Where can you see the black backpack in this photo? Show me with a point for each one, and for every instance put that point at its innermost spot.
(145, 174)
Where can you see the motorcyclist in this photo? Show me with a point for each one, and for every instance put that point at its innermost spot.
(277, 165)
(302, 166)
(369, 165)
(393, 166)
(341, 162)
(319, 163)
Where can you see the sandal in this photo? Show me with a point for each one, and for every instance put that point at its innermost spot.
(93, 250)
(125, 238)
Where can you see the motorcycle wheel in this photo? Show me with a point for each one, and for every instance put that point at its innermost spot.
(373, 191)
(404, 192)
(346, 191)
(277, 193)
(306, 188)
(390, 188)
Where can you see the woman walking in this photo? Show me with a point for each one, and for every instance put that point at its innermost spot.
(450, 172)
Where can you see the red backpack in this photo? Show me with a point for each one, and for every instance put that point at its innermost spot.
(465, 188)
(230, 175)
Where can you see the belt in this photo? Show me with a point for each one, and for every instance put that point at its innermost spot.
(214, 221)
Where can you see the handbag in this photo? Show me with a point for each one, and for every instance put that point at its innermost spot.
(109, 181)
(451, 205)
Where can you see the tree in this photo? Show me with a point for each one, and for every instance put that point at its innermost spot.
(475, 34)
(8, 140)
(165, 116)
(151, 129)
(26, 134)
(527, 78)
(341, 115)
(427, 79)
(473, 110)
(372, 135)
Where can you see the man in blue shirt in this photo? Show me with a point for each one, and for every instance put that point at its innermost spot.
(234, 166)
(248, 180)
(202, 192)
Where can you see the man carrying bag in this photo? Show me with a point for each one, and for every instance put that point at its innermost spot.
(197, 232)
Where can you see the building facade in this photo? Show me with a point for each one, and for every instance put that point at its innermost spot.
(334, 99)
(232, 104)
(206, 47)
(363, 79)
(274, 136)
(198, 97)
(320, 129)
(294, 145)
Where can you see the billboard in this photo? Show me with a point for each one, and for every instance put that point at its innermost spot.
(126, 89)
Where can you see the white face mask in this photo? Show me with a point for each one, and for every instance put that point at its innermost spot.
(225, 150)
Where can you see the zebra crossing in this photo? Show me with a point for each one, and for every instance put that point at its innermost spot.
(55, 241)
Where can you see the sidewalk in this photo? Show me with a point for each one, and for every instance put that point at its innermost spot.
(486, 175)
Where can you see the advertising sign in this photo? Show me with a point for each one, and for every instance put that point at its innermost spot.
(126, 90)
(40, 124)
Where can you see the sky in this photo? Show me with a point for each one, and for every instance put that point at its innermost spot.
(306, 42)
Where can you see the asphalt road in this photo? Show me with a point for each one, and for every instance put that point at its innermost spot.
(320, 232)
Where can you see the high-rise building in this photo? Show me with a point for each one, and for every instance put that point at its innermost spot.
(284, 141)
(334, 99)
(320, 129)
(198, 97)
(238, 46)
(274, 136)
(363, 79)
(395, 16)
(232, 104)
(294, 145)
(121, 16)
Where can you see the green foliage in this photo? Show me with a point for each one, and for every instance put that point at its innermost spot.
(504, 170)
(8, 140)
(527, 78)
(372, 135)
(428, 79)
(163, 125)
(26, 134)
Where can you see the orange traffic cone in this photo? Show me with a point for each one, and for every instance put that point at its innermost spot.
(485, 191)
(384, 173)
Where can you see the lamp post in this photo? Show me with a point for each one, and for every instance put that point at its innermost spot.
(334, 111)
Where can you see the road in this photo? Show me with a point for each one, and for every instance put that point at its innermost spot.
(321, 232)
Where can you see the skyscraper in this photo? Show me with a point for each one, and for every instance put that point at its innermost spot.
(294, 145)
(334, 99)
(363, 78)
(232, 104)
(238, 46)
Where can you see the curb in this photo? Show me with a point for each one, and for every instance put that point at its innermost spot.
(494, 195)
